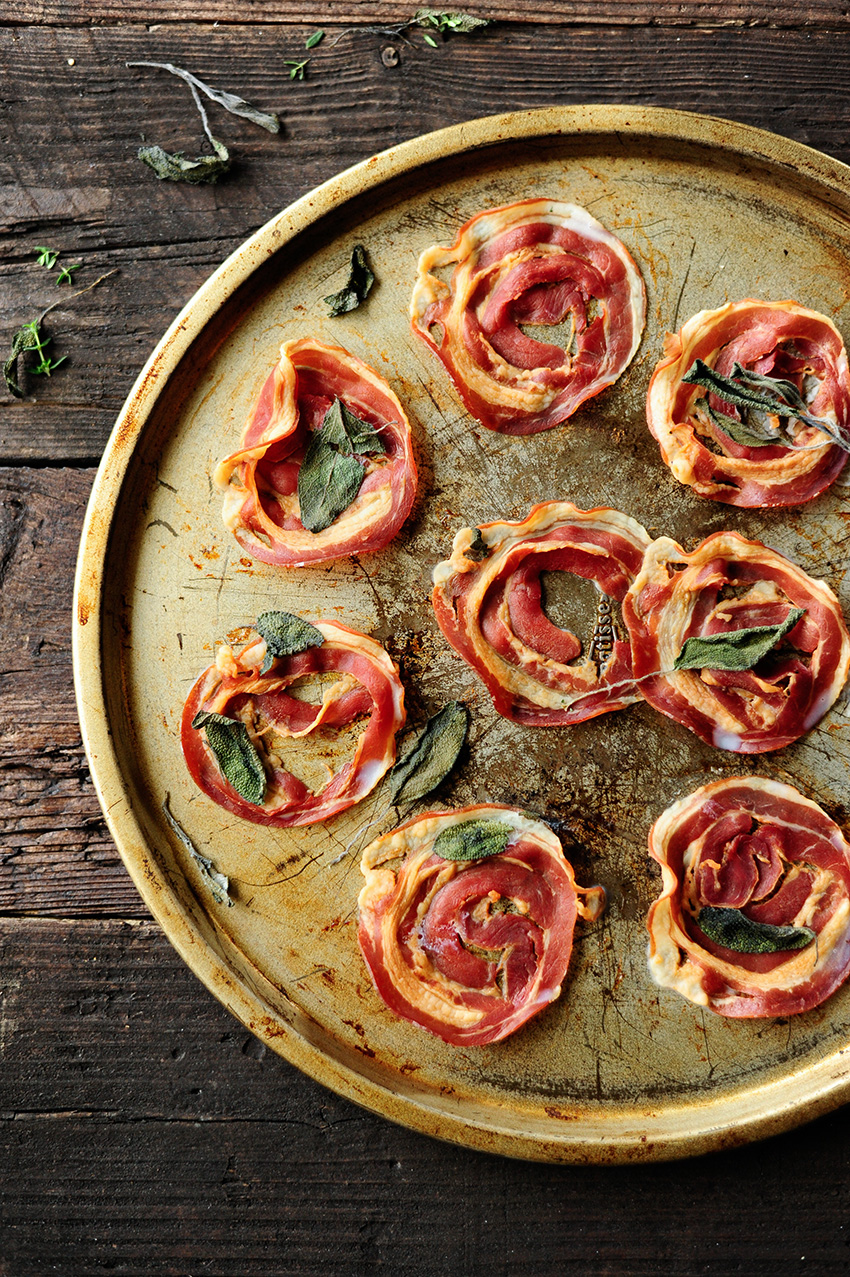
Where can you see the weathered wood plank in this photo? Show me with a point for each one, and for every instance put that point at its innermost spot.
(68, 138)
(56, 856)
(144, 1132)
(387, 12)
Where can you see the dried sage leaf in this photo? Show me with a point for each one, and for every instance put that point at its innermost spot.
(473, 840)
(478, 548)
(735, 649)
(432, 757)
(235, 105)
(176, 168)
(456, 23)
(235, 754)
(360, 281)
(218, 883)
(285, 635)
(734, 930)
(331, 474)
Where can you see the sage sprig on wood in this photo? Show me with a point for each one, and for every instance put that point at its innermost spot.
(432, 757)
(235, 754)
(758, 395)
(735, 649)
(332, 472)
(734, 930)
(285, 635)
(473, 840)
(356, 290)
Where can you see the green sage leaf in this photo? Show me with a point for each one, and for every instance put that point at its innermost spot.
(176, 168)
(331, 474)
(360, 281)
(473, 840)
(218, 883)
(734, 930)
(432, 757)
(735, 649)
(456, 23)
(235, 754)
(285, 635)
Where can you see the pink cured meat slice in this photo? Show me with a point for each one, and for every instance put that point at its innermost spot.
(536, 262)
(470, 950)
(799, 875)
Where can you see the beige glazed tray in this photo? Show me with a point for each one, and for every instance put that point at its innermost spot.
(616, 1069)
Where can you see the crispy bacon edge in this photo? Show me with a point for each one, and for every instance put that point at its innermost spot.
(749, 332)
(417, 923)
(699, 828)
(671, 601)
(535, 676)
(533, 262)
(260, 478)
(369, 683)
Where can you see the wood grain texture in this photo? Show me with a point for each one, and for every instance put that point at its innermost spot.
(334, 15)
(154, 1135)
(56, 856)
(69, 135)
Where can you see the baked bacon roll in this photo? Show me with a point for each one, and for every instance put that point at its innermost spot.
(778, 340)
(754, 915)
(537, 262)
(250, 691)
(262, 481)
(726, 586)
(488, 599)
(470, 949)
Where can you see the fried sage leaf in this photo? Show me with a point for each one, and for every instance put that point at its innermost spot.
(478, 548)
(218, 883)
(360, 281)
(235, 105)
(473, 840)
(332, 471)
(735, 649)
(176, 168)
(445, 23)
(235, 754)
(432, 757)
(734, 930)
(285, 635)
(756, 395)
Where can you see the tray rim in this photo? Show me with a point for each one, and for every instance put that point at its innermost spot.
(637, 1133)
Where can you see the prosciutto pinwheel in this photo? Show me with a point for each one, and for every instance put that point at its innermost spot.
(470, 949)
(754, 914)
(261, 481)
(726, 586)
(539, 262)
(246, 698)
(753, 457)
(488, 599)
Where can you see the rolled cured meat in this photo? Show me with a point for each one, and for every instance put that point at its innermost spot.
(261, 480)
(365, 690)
(535, 263)
(725, 586)
(754, 915)
(488, 600)
(470, 948)
(779, 340)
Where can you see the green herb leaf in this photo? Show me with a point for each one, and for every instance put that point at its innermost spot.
(235, 105)
(331, 473)
(235, 754)
(46, 256)
(360, 281)
(218, 883)
(735, 649)
(29, 337)
(312, 40)
(473, 840)
(298, 69)
(457, 23)
(285, 635)
(66, 273)
(734, 930)
(758, 394)
(432, 757)
(429, 39)
(175, 168)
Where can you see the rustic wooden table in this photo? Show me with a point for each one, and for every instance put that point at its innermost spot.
(144, 1131)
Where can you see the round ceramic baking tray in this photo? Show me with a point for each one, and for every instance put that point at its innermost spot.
(616, 1069)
